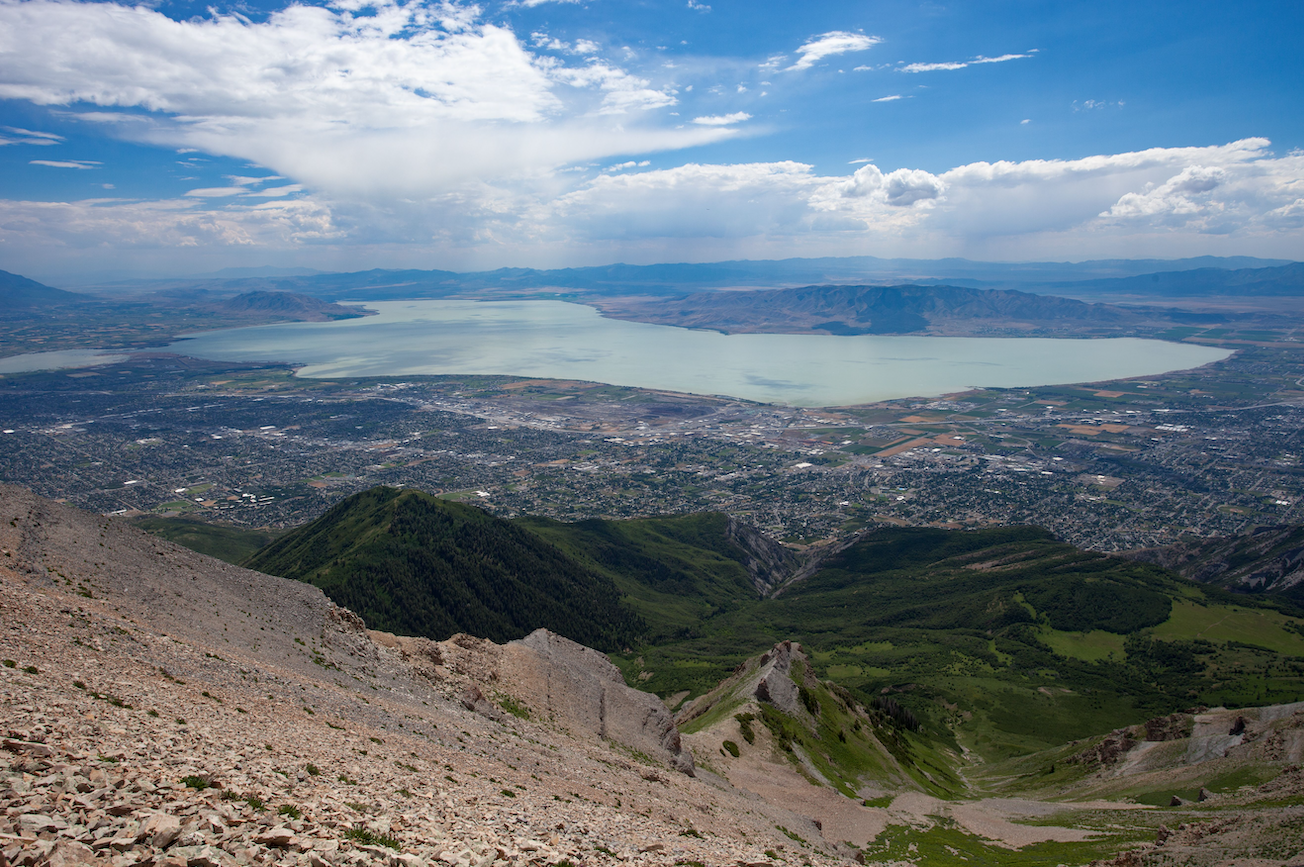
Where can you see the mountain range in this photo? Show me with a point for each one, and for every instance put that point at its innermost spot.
(1078, 641)
(169, 708)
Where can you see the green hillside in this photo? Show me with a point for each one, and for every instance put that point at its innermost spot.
(678, 572)
(1006, 639)
(413, 564)
(223, 541)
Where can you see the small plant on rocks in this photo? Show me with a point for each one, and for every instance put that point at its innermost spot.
(367, 838)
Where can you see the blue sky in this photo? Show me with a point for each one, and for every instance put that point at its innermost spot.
(183, 138)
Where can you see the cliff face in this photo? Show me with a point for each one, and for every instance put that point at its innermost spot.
(551, 679)
(1265, 560)
(768, 678)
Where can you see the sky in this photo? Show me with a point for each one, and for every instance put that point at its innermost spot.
(180, 138)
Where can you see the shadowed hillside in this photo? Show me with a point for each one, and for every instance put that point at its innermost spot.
(410, 563)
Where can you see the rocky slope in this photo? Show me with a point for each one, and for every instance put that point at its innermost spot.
(166, 708)
(1265, 560)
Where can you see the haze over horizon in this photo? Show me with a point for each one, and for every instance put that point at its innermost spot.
(180, 138)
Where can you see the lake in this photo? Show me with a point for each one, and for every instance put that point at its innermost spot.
(30, 362)
(555, 339)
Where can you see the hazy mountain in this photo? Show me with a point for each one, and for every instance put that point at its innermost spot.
(287, 305)
(1284, 280)
(875, 310)
(684, 277)
(18, 293)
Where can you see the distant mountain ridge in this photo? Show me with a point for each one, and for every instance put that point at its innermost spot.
(21, 293)
(1285, 280)
(900, 309)
(674, 278)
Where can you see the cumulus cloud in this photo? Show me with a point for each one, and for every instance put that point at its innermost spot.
(723, 119)
(394, 99)
(693, 200)
(1097, 205)
(960, 64)
(828, 44)
(900, 188)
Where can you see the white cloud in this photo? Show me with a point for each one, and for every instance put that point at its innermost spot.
(1237, 198)
(893, 98)
(216, 192)
(961, 64)
(97, 224)
(722, 119)
(408, 100)
(698, 7)
(275, 192)
(828, 44)
(900, 188)
(689, 201)
(67, 164)
(29, 137)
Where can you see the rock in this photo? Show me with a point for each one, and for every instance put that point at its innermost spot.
(1162, 835)
(1175, 802)
(1169, 728)
(280, 837)
(161, 830)
(767, 678)
(202, 856)
(38, 822)
(579, 687)
(473, 700)
(30, 748)
(68, 853)
(1204, 795)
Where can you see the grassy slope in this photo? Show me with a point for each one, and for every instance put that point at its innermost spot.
(229, 543)
(411, 563)
(1002, 638)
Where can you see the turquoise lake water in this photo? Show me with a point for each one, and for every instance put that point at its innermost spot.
(556, 339)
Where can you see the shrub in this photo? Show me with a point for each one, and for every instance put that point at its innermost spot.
(745, 725)
(367, 838)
